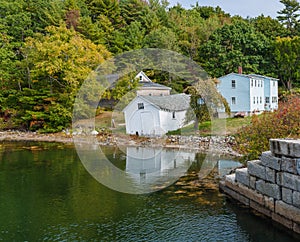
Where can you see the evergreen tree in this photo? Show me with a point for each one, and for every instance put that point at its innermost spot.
(289, 16)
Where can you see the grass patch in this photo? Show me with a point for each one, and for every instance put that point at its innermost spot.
(227, 126)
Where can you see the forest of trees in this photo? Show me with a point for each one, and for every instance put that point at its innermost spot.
(48, 48)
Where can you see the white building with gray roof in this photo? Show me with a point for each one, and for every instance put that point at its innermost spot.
(156, 115)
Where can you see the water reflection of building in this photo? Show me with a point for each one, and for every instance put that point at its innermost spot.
(146, 164)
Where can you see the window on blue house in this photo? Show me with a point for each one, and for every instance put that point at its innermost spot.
(233, 100)
(140, 105)
(233, 84)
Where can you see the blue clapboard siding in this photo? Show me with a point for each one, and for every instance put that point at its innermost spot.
(241, 92)
(250, 92)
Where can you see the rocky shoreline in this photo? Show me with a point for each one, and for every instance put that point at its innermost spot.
(217, 144)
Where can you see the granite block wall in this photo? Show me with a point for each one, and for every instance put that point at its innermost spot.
(270, 185)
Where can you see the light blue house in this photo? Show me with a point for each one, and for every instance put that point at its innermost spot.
(271, 92)
(249, 93)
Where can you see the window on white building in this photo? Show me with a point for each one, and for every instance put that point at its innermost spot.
(173, 115)
(233, 84)
(260, 99)
(267, 99)
(274, 99)
(251, 82)
(233, 100)
(253, 100)
(140, 105)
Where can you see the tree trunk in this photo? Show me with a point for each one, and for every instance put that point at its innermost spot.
(196, 124)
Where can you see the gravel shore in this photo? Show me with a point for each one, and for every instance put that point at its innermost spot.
(215, 144)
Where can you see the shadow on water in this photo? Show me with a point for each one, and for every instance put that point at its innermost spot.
(47, 195)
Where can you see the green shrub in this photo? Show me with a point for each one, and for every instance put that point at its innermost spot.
(283, 123)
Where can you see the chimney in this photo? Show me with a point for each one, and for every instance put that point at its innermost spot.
(240, 70)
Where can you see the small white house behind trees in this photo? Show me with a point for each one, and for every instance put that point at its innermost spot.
(150, 88)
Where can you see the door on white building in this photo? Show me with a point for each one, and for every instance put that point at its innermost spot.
(147, 123)
(142, 123)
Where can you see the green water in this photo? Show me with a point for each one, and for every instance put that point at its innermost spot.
(47, 195)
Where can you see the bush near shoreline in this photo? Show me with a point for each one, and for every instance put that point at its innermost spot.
(283, 123)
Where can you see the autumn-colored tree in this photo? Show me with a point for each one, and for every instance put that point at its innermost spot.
(57, 64)
(62, 59)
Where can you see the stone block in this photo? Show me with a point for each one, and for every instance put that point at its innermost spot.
(289, 165)
(261, 209)
(242, 176)
(222, 185)
(234, 194)
(230, 182)
(296, 228)
(251, 194)
(287, 195)
(230, 177)
(288, 211)
(285, 147)
(269, 189)
(296, 199)
(282, 220)
(290, 181)
(252, 182)
(268, 160)
(245, 191)
(269, 203)
(278, 176)
(270, 175)
(256, 169)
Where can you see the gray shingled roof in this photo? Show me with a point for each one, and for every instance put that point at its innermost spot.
(176, 102)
